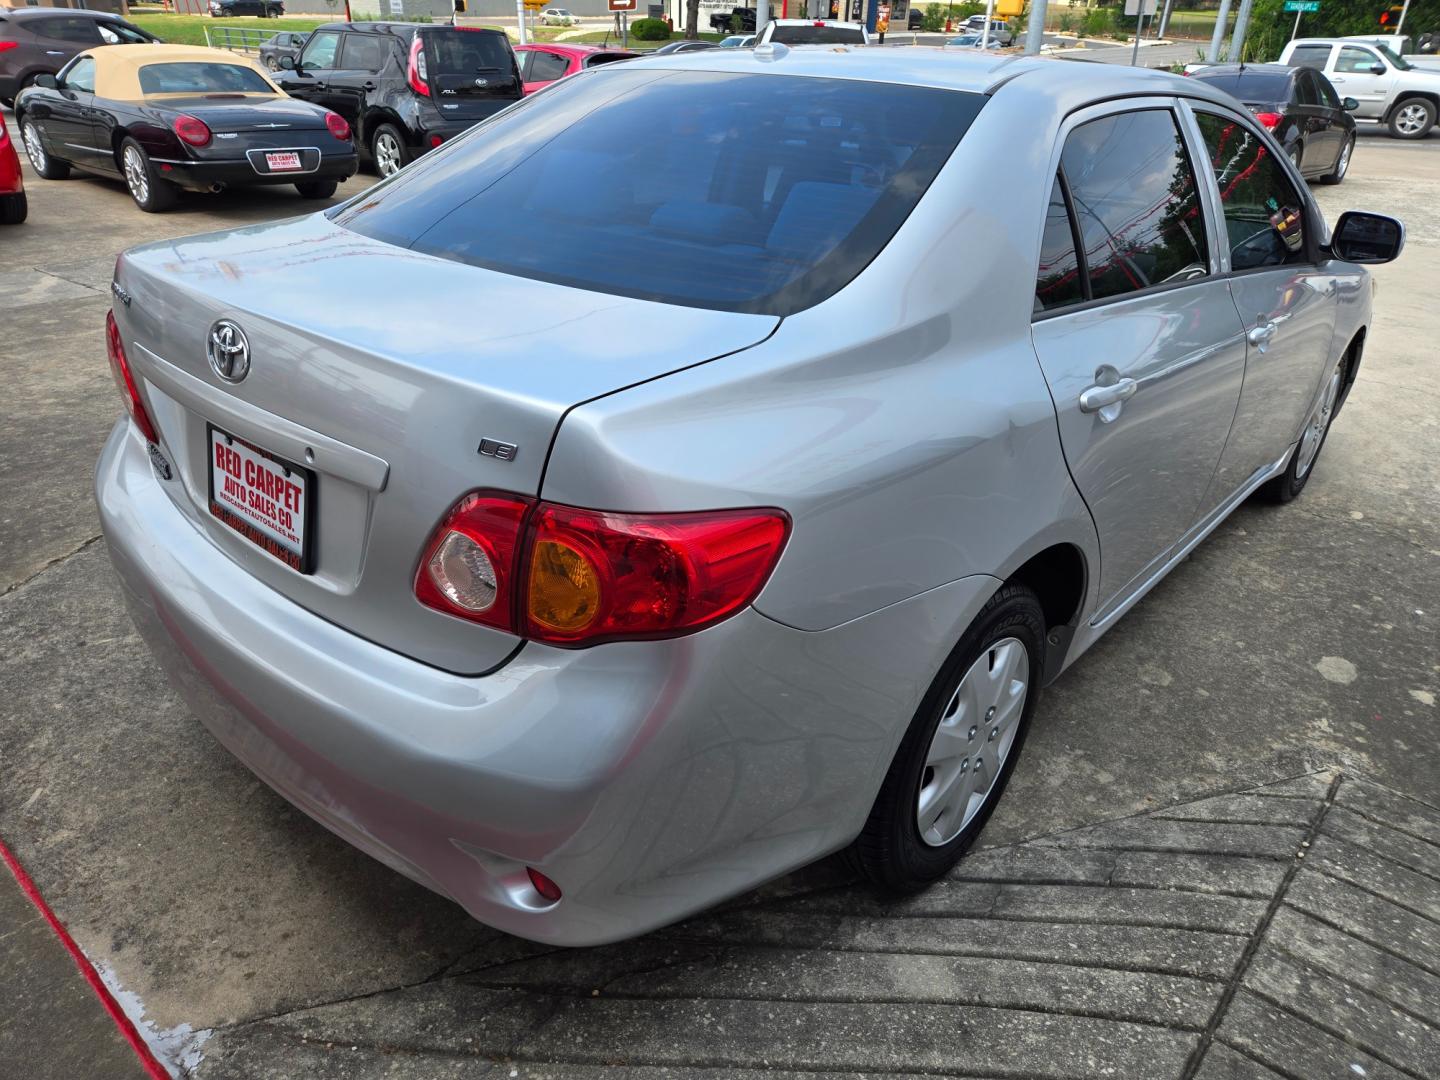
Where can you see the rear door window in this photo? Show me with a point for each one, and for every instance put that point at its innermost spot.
(547, 66)
(1264, 213)
(1306, 92)
(1137, 206)
(74, 29)
(1311, 56)
(750, 192)
(467, 52)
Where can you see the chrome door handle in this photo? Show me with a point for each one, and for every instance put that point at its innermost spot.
(1100, 398)
(368, 86)
(1261, 334)
(54, 52)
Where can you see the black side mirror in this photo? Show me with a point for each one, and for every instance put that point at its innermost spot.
(1377, 69)
(1350, 104)
(287, 62)
(47, 81)
(1363, 237)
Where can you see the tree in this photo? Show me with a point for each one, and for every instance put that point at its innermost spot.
(692, 19)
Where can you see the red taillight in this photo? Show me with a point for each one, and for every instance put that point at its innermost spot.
(1269, 119)
(192, 130)
(576, 577)
(470, 564)
(415, 73)
(336, 125)
(547, 889)
(125, 382)
(6, 46)
(4, 134)
(435, 140)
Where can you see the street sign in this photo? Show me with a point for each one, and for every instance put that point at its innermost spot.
(624, 5)
(1302, 5)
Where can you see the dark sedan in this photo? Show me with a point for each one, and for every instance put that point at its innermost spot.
(286, 43)
(165, 117)
(1301, 109)
(41, 40)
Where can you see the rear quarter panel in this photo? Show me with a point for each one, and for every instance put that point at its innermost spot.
(904, 423)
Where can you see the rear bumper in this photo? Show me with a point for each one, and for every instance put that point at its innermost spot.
(648, 779)
(201, 175)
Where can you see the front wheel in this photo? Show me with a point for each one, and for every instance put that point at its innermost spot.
(1412, 119)
(48, 167)
(960, 749)
(388, 150)
(150, 193)
(1342, 163)
(1302, 462)
(272, 64)
(316, 189)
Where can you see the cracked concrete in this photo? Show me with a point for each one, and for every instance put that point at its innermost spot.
(223, 908)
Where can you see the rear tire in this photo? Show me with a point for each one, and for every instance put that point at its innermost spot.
(150, 193)
(13, 208)
(387, 147)
(984, 697)
(1342, 163)
(1312, 440)
(40, 160)
(316, 189)
(1411, 119)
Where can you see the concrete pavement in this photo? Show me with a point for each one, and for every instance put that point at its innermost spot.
(1297, 646)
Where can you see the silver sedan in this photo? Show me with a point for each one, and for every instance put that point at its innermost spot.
(592, 525)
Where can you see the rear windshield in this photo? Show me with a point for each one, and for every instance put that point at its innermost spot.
(1263, 87)
(202, 78)
(755, 193)
(460, 52)
(817, 35)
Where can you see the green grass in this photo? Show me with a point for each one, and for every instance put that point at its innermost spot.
(190, 29)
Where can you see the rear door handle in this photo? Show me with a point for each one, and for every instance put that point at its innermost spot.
(319, 86)
(1106, 400)
(368, 86)
(1260, 335)
(54, 52)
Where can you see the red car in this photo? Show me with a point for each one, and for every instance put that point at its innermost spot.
(12, 184)
(540, 65)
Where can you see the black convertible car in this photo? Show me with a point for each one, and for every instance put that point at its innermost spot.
(164, 117)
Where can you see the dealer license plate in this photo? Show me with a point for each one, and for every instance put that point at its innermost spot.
(285, 161)
(265, 499)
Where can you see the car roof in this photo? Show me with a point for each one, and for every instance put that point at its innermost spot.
(117, 67)
(1247, 69)
(21, 14)
(398, 28)
(1071, 83)
(573, 50)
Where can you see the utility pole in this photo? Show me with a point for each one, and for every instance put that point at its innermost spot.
(1219, 36)
(762, 16)
(1237, 40)
(1035, 30)
(520, 14)
(1164, 19)
(1401, 24)
(1139, 29)
(985, 33)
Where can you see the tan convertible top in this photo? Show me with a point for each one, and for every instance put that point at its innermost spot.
(117, 67)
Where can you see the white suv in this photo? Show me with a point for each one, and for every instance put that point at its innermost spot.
(814, 32)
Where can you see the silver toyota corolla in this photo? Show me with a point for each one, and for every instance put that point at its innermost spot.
(701, 466)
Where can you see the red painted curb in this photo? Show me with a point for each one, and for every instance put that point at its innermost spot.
(147, 1060)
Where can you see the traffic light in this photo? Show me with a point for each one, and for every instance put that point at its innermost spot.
(1390, 17)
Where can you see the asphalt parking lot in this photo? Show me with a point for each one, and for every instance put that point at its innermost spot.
(1219, 857)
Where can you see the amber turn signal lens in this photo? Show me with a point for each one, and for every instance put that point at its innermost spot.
(564, 588)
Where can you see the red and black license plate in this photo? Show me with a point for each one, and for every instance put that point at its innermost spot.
(266, 499)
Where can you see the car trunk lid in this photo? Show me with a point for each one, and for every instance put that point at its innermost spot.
(379, 372)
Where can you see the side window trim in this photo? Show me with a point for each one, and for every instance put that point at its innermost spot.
(1183, 123)
(1314, 226)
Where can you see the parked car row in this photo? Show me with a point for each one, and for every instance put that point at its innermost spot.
(41, 40)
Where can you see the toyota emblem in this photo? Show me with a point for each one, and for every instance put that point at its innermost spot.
(228, 351)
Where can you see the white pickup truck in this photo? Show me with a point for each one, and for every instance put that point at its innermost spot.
(1388, 88)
